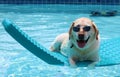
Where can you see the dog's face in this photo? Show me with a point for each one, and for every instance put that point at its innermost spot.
(82, 32)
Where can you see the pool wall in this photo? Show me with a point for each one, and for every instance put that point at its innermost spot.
(103, 2)
(83, 6)
(57, 8)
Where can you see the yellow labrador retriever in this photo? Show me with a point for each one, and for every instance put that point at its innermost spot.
(80, 43)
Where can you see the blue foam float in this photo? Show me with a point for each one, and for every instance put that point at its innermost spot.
(109, 49)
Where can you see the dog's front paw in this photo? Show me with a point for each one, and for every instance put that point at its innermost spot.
(92, 65)
(72, 62)
(73, 65)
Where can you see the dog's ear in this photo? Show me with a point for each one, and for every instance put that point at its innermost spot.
(70, 30)
(96, 30)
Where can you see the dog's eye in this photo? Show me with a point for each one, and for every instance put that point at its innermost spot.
(87, 28)
(76, 29)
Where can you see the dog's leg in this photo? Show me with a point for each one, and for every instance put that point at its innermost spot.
(72, 61)
(55, 46)
(92, 65)
(95, 60)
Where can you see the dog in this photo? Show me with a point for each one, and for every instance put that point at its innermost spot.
(80, 43)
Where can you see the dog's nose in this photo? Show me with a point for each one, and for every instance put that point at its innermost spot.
(81, 36)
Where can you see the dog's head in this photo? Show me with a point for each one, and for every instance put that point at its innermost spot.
(82, 32)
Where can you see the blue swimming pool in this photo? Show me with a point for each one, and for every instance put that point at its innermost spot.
(44, 25)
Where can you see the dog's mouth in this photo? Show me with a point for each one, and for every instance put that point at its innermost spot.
(82, 43)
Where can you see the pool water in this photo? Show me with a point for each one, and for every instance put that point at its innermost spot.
(16, 61)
